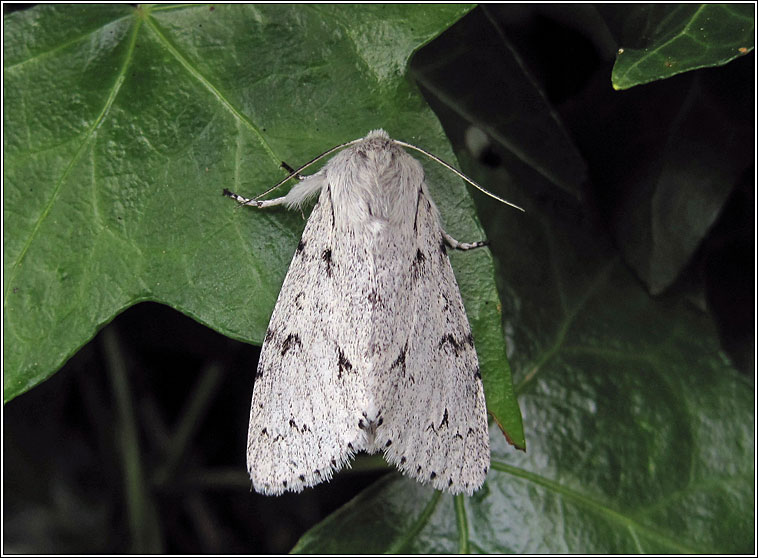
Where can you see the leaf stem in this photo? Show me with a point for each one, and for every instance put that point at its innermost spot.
(191, 417)
(402, 542)
(143, 521)
(461, 519)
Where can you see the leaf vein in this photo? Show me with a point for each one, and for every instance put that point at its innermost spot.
(64, 45)
(205, 82)
(421, 521)
(568, 321)
(75, 158)
(595, 506)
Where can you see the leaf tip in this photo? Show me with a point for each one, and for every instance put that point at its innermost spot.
(519, 445)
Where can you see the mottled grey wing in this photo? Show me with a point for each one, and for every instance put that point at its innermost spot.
(307, 395)
(433, 423)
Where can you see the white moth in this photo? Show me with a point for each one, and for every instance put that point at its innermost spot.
(368, 347)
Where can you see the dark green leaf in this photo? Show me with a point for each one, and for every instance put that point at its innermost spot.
(512, 109)
(640, 433)
(682, 178)
(676, 38)
(123, 125)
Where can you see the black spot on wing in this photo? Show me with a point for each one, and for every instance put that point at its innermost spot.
(269, 335)
(458, 346)
(447, 302)
(374, 299)
(450, 341)
(326, 255)
(400, 360)
(290, 342)
(417, 267)
(343, 364)
(444, 420)
(300, 247)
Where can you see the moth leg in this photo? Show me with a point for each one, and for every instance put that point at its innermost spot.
(257, 203)
(308, 187)
(455, 245)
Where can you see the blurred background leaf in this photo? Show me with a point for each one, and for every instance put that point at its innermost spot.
(662, 40)
(627, 303)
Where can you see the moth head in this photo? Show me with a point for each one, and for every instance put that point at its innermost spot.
(376, 150)
(377, 134)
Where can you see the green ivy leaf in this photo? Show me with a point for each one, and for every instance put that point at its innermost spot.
(682, 37)
(640, 432)
(123, 125)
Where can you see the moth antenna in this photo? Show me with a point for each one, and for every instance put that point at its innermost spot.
(296, 172)
(459, 173)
